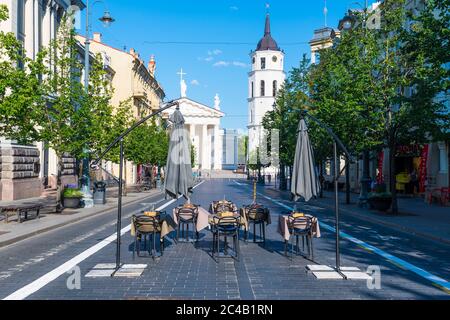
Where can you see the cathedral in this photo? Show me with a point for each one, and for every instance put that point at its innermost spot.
(265, 79)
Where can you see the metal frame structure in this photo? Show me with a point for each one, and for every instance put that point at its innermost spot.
(119, 140)
(336, 142)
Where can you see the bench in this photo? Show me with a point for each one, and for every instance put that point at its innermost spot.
(21, 210)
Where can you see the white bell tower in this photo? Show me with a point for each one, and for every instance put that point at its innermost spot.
(264, 81)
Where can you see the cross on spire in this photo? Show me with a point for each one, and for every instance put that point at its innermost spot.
(181, 74)
(325, 13)
(267, 8)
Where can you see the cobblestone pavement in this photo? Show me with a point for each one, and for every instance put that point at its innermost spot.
(186, 272)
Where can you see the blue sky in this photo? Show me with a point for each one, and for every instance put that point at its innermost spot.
(213, 68)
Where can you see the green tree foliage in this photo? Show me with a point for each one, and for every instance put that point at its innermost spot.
(21, 94)
(65, 120)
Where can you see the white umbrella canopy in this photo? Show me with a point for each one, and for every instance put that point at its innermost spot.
(179, 179)
(304, 182)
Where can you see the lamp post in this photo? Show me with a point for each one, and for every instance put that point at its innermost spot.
(107, 20)
(348, 22)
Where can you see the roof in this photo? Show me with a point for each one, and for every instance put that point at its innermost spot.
(267, 42)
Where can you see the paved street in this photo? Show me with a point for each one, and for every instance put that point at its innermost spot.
(185, 272)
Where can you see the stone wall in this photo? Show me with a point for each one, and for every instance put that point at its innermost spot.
(19, 172)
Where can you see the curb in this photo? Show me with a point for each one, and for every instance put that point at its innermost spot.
(63, 224)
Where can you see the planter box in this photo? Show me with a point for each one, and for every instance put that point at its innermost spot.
(72, 203)
(381, 204)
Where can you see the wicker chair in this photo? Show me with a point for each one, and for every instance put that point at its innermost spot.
(257, 216)
(186, 216)
(300, 226)
(226, 227)
(222, 206)
(146, 226)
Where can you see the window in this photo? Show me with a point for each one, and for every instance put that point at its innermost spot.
(263, 63)
(21, 18)
(253, 89)
(275, 87)
(263, 88)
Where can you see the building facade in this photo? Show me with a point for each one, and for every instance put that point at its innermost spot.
(134, 81)
(203, 124)
(230, 146)
(27, 170)
(264, 81)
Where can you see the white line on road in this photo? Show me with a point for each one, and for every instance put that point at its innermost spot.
(437, 281)
(38, 284)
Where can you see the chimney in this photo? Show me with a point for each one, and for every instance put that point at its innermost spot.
(98, 37)
(152, 65)
(132, 52)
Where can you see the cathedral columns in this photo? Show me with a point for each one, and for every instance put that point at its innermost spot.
(204, 149)
(217, 149)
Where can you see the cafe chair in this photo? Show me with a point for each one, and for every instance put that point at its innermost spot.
(225, 227)
(257, 216)
(186, 216)
(300, 226)
(223, 206)
(146, 226)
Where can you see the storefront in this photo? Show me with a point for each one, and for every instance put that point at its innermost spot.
(411, 162)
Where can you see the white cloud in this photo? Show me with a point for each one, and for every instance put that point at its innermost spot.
(214, 52)
(221, 64)
(230, 63)
(234, 8)
(195, 82)
(239, 64)
(209, 59)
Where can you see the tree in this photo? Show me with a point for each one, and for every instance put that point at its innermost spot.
(21, 93)
(291, 99)
(65, 118)
(360, 88)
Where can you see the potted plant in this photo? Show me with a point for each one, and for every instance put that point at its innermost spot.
(72, 198)
(380, 199)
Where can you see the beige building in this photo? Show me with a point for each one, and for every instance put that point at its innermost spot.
(132, 80)
(26, 170)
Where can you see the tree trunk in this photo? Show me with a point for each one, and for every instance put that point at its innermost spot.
(321, 179)
(392, 179)
(347, 181)
(59, 190)
(283, 183)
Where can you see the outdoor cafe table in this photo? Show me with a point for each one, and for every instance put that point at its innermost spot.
(166, 223)
(283, 229)
(202, 218)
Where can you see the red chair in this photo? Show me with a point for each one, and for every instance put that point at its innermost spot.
(434, 193)
(445, 196)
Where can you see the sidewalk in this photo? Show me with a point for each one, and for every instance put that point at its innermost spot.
(415, 216)
(13, 231)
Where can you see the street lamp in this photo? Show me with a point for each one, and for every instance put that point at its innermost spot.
(107, 20)
(349, 22)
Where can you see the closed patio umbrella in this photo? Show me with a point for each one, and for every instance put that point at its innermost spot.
(179, 179)
(304, 179)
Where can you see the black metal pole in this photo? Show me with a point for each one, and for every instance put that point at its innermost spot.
(336, 204)
(119, 208)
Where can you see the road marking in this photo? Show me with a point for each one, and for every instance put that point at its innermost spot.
(41, 282)
(437, 281)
